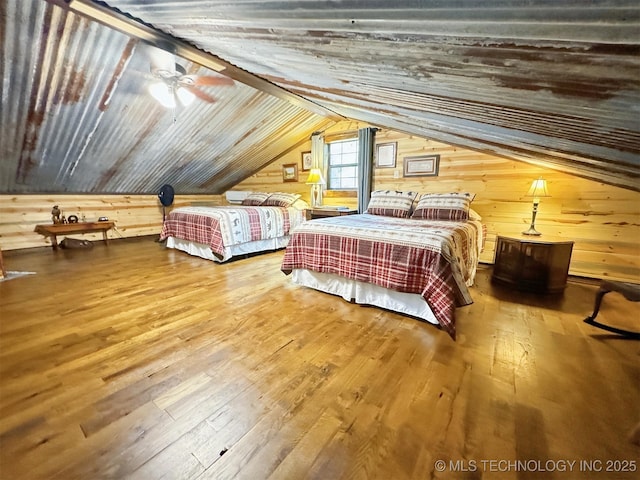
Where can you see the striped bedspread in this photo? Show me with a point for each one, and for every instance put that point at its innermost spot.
(221, 227)
(436, 259)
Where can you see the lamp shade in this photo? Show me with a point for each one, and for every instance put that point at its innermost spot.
(163, 94)
(315, 177)
(185, 96)
(538, 189)
(166, 95)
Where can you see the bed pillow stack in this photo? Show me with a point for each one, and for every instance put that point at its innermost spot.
(277, 199)
(444, 206)
(255, 198)
(391, 203)
(281, 199)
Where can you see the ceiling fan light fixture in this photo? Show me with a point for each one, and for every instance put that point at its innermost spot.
(163, 94)
(185, 96)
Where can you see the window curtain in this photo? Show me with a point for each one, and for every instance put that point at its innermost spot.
(316, 174)
(366, 141)
(317, 151)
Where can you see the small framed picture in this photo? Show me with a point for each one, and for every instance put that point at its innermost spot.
(307, 161)
(421, 166)
(290, 172)
(386, 155)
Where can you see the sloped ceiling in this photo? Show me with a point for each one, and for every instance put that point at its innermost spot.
(552, 82)
(76, 115)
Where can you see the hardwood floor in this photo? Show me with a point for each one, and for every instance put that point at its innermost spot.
(130, 361)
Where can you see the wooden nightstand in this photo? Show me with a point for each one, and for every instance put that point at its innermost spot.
(329, 212)
(532, 264)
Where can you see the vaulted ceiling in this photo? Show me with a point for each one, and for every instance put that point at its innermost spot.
(552, 82)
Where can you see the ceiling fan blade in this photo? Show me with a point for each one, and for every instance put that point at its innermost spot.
(200, 94)
(210, 81)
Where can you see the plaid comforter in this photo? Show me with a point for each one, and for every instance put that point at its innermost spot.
(436, 259)
(221, 227)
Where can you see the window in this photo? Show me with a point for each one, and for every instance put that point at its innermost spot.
(342, 170)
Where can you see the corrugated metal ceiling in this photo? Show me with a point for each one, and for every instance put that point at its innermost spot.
(552, 82)
(76, 115)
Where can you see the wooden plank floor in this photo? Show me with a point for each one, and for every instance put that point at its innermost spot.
(130, 361)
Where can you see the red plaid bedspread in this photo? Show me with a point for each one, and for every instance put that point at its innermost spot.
(221, 227)
(436, 259)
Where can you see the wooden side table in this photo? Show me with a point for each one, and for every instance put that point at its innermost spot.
(329, 212)
(54, 229)
(532, 264)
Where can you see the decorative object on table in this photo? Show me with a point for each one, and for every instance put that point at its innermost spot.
(103, 219)
(537, 190)
(290, 172)
(386, 155)
(55, 214)
(317, 182)
(421, 166)
(72, 219)
(165, 195)
(307, 161)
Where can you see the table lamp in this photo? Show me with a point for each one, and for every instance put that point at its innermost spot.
(316, 181)
(537, 190)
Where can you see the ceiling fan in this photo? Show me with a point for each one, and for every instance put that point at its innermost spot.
(172, 85)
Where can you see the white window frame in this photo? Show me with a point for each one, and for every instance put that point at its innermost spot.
(330, 168)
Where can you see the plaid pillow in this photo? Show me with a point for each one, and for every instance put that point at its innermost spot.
(255, 198)
(391, 203)
(444, 206)
(281, 199)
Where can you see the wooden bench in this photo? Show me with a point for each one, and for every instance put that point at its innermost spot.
(54, 229)
(630, 291)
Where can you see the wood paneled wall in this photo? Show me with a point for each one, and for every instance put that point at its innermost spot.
(603, 221)
(135, 215)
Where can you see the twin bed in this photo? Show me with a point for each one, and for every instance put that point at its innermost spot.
(416, 261)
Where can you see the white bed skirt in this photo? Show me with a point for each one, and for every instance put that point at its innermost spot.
(365, 293)
(204, 251)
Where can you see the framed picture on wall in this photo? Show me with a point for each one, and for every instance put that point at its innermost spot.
(386, 155)
(290, 172)
(421, 166)
(307, 161)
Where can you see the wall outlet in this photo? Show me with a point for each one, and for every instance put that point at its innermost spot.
(396, 174)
